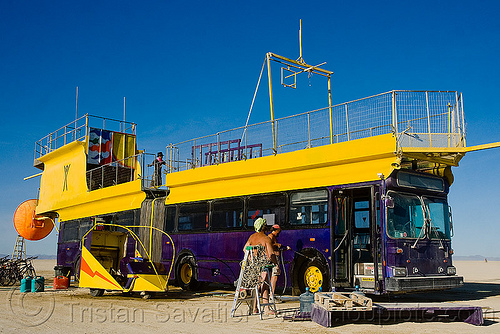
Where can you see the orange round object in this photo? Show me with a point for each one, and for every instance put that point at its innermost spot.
(31, 226)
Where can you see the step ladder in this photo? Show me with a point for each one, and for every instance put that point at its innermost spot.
(19, 252)
(250, 282)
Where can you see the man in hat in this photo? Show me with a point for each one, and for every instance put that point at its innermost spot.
(275, 258)
(259, 238)
(157, 163)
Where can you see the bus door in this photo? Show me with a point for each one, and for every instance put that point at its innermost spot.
(340, 231)
(355, 238)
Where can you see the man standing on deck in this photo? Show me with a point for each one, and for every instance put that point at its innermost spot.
(157, 163)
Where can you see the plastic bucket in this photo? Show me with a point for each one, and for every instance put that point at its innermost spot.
(37, 284)
(61, 282)
(26, 284)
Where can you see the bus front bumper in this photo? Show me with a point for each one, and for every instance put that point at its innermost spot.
(413, 284)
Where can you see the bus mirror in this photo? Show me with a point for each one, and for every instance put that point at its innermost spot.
(389, 202)
(450, 220)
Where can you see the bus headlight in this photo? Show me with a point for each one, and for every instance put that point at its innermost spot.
(399, 271)
(451, 270)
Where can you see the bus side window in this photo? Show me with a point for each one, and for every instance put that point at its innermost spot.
(125, 218)
(362, 214)
(309, 207)
(170, 218)
(193, 216)
(270, 207)
(227, 214)
(85, 225)
(70, 230)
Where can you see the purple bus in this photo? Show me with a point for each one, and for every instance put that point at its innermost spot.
(392, 235)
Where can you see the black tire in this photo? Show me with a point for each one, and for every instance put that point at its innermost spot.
(76, 270)
(313, 274)
(12, 277)
(186, 274)
(96, 292)
(30, 271)
(3, 279)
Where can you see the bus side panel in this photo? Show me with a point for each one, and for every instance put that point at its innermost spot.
(218, 254)
(299, 240)
(68, 254)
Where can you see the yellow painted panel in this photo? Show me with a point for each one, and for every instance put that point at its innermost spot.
(149, 282)
(126, 196)
(63, 177)
(93, 274)
(350, 162)
(63, 187)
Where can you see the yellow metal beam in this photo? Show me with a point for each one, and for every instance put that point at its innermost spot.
(271, 103)
(302, 66)
(449, 160)
(482, 147)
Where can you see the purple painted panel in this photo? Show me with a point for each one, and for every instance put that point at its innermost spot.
(429, 257)
(218, 254)
(67, 253)
(398, 313)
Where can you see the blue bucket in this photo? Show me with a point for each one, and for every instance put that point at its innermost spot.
(37, 284)
(26, 284)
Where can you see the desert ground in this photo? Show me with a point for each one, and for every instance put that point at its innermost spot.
(75, 311)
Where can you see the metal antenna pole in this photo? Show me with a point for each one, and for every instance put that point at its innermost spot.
(76, 107)
(124, 114)
(300, 60)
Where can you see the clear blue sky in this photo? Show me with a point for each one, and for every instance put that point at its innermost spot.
(190, 68)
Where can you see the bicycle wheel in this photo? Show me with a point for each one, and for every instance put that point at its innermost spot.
(30, 271)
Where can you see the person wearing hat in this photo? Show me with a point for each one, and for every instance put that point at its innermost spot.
(157, 163)
(259, 238)
(277, 248)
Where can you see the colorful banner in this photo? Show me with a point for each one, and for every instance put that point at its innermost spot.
(107, 146)
(99, 146)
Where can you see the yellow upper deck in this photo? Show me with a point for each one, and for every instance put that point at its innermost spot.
(398, 129)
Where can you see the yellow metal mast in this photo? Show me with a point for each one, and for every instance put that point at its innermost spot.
(300, 60)
(268, 58)
(301, 66)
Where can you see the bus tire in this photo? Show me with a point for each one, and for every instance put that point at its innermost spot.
(186, 273)
(313, 274)
(76, 269)
(96, 292)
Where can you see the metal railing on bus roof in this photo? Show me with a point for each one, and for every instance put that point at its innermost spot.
(417, 119)
(123, 171)
(78, 130)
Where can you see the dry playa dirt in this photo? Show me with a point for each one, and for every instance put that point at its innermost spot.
(75, 311)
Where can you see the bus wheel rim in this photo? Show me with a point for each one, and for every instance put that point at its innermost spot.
(313, 278)
(186, 273)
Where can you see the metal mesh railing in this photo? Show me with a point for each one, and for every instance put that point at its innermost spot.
(112, 174)
(417, 119)
(78, 130)
(122, 171)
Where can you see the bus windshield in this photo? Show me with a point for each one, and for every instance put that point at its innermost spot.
(406, 219)
(439, 216)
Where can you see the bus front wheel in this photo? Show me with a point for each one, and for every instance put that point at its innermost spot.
(186, 273)
(313, 274)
